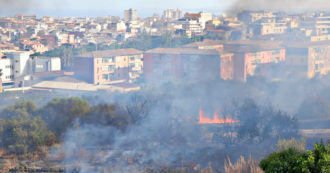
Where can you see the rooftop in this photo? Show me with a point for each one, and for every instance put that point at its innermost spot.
(205, 43)
(307, 44)
(117, 52)
(184, 51)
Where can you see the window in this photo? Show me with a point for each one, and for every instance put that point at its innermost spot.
(105, 60)
(276, 52)
(105, 77)
(111, 67)
(256, 62)
(104, 68)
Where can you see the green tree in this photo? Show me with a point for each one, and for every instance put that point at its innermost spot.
(292, 160)
(20, 109)
(23, 135)
(108, 115)
(59, 114)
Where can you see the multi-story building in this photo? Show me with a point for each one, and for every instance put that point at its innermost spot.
(172, 14)
(6, 70)
(251, 17)
(21, 63)
(130, 15)
(14, 65)
(110, 66)
(46, 64)
(311, 58)
(268, 28)
(188, 64)
(249, 55)
(322, 25)
(201, 17)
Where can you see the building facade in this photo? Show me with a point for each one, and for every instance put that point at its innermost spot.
(186, 64)
(130, 15)
(111, 66)
(311, 58)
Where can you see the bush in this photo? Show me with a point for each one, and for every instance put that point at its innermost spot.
(24, 135)
(292, 160)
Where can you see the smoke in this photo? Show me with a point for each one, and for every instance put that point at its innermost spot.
(10, 7)
(278, 5)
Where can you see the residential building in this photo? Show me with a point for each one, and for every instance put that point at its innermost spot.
(46, 64)
(251, 17)
(311, 58)
(201, 17)
(249, 55)
(21, 63)
(110, 66)
(187, 64)
(268, 28)
(172, 14)
(322, 25)
(6, 70)
(130, 15)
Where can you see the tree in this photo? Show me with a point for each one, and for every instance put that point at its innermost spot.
(292, 160)
(59, 114)
(23, 135)
(20, 109)
(107, 115)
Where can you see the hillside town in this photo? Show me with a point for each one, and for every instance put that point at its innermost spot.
(113, 53)
(179, 92)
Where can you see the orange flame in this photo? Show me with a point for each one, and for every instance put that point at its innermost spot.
(216, 119)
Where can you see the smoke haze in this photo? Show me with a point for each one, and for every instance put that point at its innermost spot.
(279, 5)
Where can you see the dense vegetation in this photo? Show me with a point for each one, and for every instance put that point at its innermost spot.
(293, 160)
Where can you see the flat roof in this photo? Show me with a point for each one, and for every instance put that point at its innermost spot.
(307, 44)
(252, 45)
(185, 51)
(206, 42)
(109, 53)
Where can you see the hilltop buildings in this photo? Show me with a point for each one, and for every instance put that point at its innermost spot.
(230, 48)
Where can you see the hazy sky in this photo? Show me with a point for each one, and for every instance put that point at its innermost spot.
(106, 7)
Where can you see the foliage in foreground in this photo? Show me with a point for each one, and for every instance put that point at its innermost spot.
(292, 160)
(23, 135)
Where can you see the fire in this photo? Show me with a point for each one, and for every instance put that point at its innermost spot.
(216, 119)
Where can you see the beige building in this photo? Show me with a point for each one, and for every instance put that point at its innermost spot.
(311, 57)
(109, 66)
(130, 15)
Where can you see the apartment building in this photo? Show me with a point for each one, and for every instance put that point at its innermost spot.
(130, 15)
(251, 17)
(172, 14)
(187, 64)
(322, 25)
(46, 64)
(14, 65)
(110, 66)
(249, 55)
(268, 28)
(311, 58)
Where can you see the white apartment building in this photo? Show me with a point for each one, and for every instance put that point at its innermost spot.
(46, 64)
(6, 70)
(21, 63)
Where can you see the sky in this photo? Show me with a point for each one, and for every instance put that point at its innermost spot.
(107, 7)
